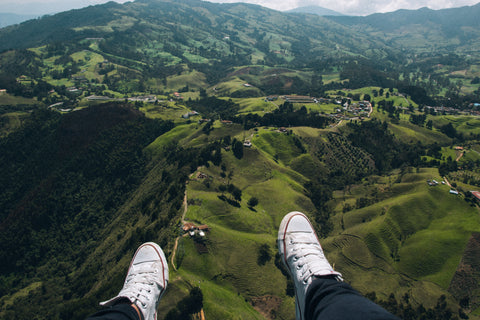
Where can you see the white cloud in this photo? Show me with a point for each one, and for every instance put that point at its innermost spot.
(358, 7)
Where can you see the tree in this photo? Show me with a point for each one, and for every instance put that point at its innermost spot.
(449, 130)
(263, 254)
(252, 202)
(187, 306)
(222, 188)
(237, 148)
(237, 194)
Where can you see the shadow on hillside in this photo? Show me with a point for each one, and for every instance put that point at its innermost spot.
(229, 201)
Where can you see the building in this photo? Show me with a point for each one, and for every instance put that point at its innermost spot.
(476, 194)
(192, 229)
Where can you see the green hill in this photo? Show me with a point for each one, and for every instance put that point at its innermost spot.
(391, 226)
(121, 122)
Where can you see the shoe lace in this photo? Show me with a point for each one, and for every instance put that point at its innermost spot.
(308, 257)
(141, 283)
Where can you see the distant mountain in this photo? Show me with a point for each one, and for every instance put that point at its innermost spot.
(456, 28)
(315, 10)
(202, 29)
(7, 19)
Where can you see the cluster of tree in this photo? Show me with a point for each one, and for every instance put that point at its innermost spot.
(234, 191)
(418, 119)
(363, 73)
(78, 165)
(417, 94)
(388, 153)
(28, 89)
(66, 178)
(214, 108)
(406, 311)
(187, 307)
(284, 116)
(264, 254)
(320, 194)
(448, 166)
(450, 131)
(345, 161)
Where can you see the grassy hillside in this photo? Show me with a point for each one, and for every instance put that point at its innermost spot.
(84, 182)
(418, 233)
(412, 238)
(390, 232)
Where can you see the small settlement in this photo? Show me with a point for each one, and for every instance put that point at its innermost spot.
(192, 229)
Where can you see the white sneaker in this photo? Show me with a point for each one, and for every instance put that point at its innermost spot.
(303, 256)
(146, 280)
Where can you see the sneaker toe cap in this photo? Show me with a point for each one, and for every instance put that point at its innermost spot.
(298, 223)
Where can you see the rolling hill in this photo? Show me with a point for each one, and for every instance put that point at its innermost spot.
(120, 123)
(424, 30)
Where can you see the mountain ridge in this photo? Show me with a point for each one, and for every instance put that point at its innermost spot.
(321, 11)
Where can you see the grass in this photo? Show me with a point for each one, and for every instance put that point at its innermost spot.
(9, 122)
(419, 231)
(194, 80)
(254, 105)
(223, 276)
(322, 108)
(235, 84)
(278, 145)
(463, 124)
(173, 136)
(408, 132)
(9, 100)
(165, 111)
(236, 233)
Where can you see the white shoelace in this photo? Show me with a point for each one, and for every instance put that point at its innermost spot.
(143, 282)
(308, 257)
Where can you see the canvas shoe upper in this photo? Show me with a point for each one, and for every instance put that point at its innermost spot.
(146, 280)
(303, 256)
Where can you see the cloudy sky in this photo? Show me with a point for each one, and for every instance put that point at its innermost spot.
(350, 7)
(360, 7)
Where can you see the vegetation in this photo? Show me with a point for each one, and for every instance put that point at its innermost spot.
(115, 116)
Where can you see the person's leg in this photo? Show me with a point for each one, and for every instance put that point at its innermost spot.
(319, 290)
(328, 298)
(121, 311)
(146, 281)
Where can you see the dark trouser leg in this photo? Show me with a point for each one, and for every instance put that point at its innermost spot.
(117, 312)
(329, 299)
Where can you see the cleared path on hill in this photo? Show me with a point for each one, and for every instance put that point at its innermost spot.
(185, 207)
